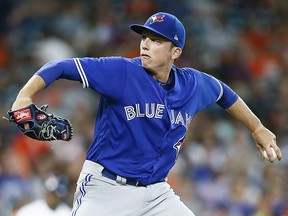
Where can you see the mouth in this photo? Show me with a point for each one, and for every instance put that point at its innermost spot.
(145, 56)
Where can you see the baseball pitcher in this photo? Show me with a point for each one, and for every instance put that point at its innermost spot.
(147, 104)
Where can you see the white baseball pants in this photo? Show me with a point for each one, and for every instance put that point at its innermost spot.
(97, 195)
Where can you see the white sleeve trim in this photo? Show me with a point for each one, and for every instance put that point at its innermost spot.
(81, 72)
(221, 89)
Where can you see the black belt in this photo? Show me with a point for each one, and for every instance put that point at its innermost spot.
(120, 179)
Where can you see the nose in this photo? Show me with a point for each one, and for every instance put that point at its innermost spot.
(145, 43)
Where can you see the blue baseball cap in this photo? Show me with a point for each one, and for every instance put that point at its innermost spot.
(166, 25)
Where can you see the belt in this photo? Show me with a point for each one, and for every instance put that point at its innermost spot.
(121, 180)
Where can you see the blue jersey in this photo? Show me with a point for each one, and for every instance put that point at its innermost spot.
(140, 123)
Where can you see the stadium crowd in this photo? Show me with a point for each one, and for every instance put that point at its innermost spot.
(219, 171)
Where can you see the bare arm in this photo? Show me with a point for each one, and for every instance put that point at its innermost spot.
(46, 75)
(26, 94)
(263, 138)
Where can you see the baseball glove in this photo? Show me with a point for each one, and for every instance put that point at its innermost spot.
(36, 123)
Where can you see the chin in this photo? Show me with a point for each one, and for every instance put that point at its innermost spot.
(145, 65)
(145, 68)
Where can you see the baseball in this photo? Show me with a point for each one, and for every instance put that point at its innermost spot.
(264, 153)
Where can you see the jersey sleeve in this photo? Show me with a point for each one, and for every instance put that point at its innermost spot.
(54, 70)
(107, 75)
(212, 91)
(228, 97)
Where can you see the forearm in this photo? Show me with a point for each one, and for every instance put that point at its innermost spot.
(26, 94)
(240, 111)
(263, 138)
(46, 75)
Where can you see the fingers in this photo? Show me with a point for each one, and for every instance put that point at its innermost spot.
(278, 152)
(276, 149)
(273, 152)
(26, 126)
(269, 157)
(265, 140)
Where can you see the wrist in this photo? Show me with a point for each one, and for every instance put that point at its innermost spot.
(257, 129)
(21, 102)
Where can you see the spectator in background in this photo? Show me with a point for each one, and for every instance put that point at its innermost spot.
(52, 204)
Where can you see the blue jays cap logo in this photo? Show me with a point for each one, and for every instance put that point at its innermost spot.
(157, 18)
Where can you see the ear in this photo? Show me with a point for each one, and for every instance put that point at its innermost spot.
(176, 52)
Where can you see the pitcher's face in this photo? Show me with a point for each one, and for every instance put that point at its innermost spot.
(156, 51)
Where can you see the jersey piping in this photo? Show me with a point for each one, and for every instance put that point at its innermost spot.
(221, 87)
(81, 72)
(221, 90)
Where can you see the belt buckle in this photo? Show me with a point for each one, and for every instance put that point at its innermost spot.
(121, 180)
(138, 184)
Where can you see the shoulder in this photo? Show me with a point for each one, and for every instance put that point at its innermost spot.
(133, 61)
(110, 61)
(187, 74)
(187, 71)
(192, 72)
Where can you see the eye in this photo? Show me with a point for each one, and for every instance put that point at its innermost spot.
(143, 37)
(155, 39)
(152, 38)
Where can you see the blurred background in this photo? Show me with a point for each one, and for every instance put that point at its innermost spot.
(219, 171)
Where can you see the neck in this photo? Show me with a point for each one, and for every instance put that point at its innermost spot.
(163, 79)
(162, 74)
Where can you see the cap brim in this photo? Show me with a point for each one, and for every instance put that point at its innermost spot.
(139, 29)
